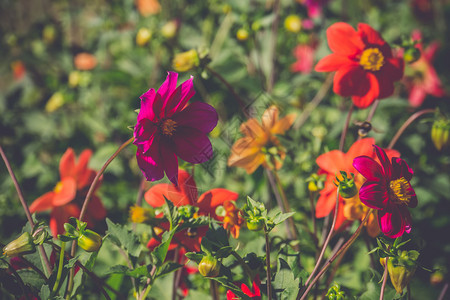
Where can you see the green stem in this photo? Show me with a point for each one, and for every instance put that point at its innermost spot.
(273, 45)
(408, 122)
(385, 275)
(269, 276)
(86, 202)
(60, 267)
(44, 259)
(325, 244)
(336, 255)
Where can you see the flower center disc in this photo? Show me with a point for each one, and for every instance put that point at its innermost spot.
(400, 191)
(168, 127)
(58, 187)
(372, 59)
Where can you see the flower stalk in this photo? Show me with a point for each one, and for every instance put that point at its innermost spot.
(268, 273)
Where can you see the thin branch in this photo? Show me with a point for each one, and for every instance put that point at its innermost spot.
(385, 275)
(268, 273)
(273, 45)
(46, 263)
(408, 122)
(344, 132)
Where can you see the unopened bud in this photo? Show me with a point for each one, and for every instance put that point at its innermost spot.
(242, 34)
(401, 269)
(185, 61)
(140, 214)
(143, 36)
(346, 184)
(293, 23)
(89, 241)
(22, 245)
(209, 266)
(411, 55)
(440, 133)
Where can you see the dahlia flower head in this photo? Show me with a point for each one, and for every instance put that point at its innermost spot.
(168, 128)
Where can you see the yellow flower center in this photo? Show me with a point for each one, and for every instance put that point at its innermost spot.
(168, 127)
(372, 59)
(58, 187)
(400, 191)
(140, 215)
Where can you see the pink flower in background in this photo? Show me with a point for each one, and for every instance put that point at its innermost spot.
(314, 7)
(388, 190)
(305, 58)
(167, 128)
(423, 79)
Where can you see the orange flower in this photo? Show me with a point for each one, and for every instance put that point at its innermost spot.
(260, 146)
(232, 221)
(351, 209)
(148, 7)
(85, 61)
(67, 197)
(18, 69)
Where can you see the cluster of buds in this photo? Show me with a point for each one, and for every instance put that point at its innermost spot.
(335, 293)
(87, 239)
(254, 214)
(401, 264)
(346, 184)
(411, 53)
(316, 182)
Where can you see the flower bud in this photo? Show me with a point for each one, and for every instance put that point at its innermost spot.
(209, 266)
(242, 34)
(346, 184)
(185, 61)
(89, 241)
(293, 23)
(440, 133)
(143, 36)
(335, 293)
(56, 101)
(401, 269)
(140, 214)
(22, 245)
(411, 55)
(169, 29)
(255, 224)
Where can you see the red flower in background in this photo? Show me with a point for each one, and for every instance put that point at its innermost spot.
(422, 78)
(67, 197)
(331, 163)
(254, 293)
(186, 194)
(305, 58)
(166, 128)
(388, 190)
(363, 61)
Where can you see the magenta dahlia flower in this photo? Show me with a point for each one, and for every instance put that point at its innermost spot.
(167, 128)
(388, 190)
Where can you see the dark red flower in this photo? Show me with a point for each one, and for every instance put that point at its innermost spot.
(363, 61)
(388, 190)
(167, 128)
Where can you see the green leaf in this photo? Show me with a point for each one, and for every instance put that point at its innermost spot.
(197, 257)
(44, 292)
(31, 277)
(124, 238)
(285, 281)
(160, 252)
(136, 273)
(217, 235)
(280, 218)
(169, 211)
(224, 252)
(168, 267)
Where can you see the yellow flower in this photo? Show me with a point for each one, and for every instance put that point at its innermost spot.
(260, 146)
(293, 23)
(139, 214)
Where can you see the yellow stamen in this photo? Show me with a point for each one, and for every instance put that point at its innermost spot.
(58, 187)
(168, 127)
(400, 191)
(372, 59)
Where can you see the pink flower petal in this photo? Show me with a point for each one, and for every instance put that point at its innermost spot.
(401, 169)
(192, 145)
(144, 132)
(368, 168)
(147, 101)
(391, 222)
(150, 163)
(198, 115)
(385, 163)
(165, 91)
(179, 98)
(170, 162)
(374, 195)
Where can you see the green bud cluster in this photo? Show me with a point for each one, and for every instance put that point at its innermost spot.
(346, 184)
(87, 239)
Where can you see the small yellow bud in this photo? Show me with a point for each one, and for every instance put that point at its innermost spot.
(140, 214)
(89, 241)
(169, 29)
(55, 102)
(185, 61)
(293, 23)
(242, 34)
(22, 245)
(209, 266)
(143, 36)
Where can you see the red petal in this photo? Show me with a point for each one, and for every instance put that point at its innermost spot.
(61, 215)
(327, 199)
(67, 192)
(359, 148)
(368, 91)
(209, 201)
(42, 203)
(67, 164)
(332, 162)
(170, 161)
(351, 80)
(369, 35)
(150, 162)
(96, 209)
(374, 194)
(333, 62)
(198, 115)
(192, 145)
(344, 40)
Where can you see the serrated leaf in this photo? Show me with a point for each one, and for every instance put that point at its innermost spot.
(280, 218)
(224, 252)
(136, 273)
(124, 238)
(217, 236)
(285, 281)
(160, 252)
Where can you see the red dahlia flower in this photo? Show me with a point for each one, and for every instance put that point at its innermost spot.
(186, 194)
(67, 197)
(388, 190)
(363, 61)
(167, 128)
